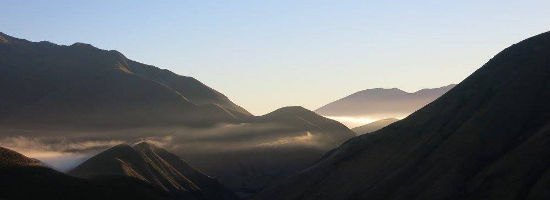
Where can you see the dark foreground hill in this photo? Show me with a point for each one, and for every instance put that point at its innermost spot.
(487, 138)
(25, 178)
(154, 165)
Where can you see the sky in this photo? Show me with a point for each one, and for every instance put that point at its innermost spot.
(268, 54)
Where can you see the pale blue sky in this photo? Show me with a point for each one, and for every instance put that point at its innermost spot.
(269, 54)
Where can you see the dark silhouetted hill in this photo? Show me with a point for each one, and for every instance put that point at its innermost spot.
(154, 165)
(487, 138)
(25, 178)
(302, 118)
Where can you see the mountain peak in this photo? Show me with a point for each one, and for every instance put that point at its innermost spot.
(382, 103)
(146, 146)
(292, 109)
(289, 111)
(147, 162)
(25, 178)
(379, 91)
(121, 146)
(83, 45)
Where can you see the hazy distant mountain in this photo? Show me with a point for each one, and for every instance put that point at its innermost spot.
(25, 178)
(154, 165)
(80, 85)
(487, 138)
(374, 126)
(381, 103)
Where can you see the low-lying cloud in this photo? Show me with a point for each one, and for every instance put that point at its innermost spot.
(60, 153)
(65, 150)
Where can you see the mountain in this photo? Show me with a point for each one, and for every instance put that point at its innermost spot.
(154, 165)
(487, 138)
(381, 103)
(81, 99)
(251, 156)
(301, 118)
(26, 178)
(374, 126)
(80, 85)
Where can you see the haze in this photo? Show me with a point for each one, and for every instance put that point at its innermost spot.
(265, 55)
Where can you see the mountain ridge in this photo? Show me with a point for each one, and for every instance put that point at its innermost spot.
(46, 78)
(154, 165)
(26, 178)
(382, 103)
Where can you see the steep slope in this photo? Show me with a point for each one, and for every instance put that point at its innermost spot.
(374, 126)
(82, 85)
(487, 138)
(156, 166)
(25, 178)
(382, 103)
(191, 88)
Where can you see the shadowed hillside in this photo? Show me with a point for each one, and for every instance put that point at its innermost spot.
(487, 138)
(80, 85)
(25, 178)
(154, 165)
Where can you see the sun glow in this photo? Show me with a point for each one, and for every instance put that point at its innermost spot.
(355, 121)
(352, 121)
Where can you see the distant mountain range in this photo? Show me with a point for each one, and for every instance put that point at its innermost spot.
(75, 93)
(374, 126)
(487, 138)
(379, 103)
(25, 178)
(154, 165)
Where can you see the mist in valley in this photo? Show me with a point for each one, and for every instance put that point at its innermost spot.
(64, 150)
